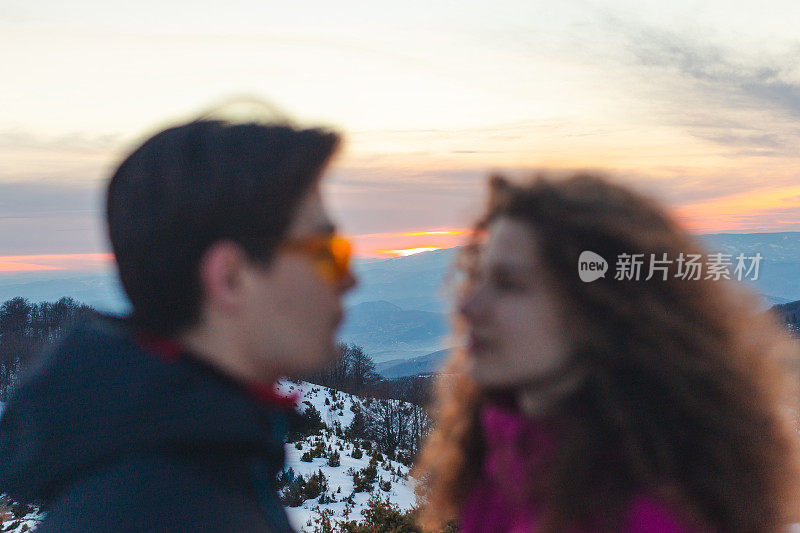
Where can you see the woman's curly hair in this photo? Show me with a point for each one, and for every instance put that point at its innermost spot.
(687, 394)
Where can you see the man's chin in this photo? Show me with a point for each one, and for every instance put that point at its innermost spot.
(325, 359)
(332, 353)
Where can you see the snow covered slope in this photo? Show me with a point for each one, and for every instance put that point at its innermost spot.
(339, 478)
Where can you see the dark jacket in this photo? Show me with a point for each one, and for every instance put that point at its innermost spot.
(108, 436)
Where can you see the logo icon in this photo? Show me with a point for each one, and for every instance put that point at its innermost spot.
(591, 266)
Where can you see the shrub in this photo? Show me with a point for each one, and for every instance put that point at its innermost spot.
(365, 478)
(293, 494)
(404, 458)
(371, 471)
(381, 515)
(334, 459)
(319, 449)
(312, 488)
(284, 478)
(307, 457)
(304, 424)
(359, 484)
(358, 427)
(322, 522)
(315, 486)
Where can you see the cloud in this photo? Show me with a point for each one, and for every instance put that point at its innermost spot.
(381, 180)
(678, 185)
(742, 99)
(76, 142)
(46, 198)
(44, 216)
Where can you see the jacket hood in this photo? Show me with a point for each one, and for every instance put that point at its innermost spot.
(98, 397)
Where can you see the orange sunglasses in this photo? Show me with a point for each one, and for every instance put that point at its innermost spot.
(331, 254)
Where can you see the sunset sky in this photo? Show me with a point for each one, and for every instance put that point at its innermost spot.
(696, 103)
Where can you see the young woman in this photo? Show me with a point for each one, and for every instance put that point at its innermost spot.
(649, 401)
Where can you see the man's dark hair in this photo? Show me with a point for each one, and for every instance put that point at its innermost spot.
(192, 185)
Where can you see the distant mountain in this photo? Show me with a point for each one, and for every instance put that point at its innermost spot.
(420, 281)
(779, 273)
(424, 364)
(782, 247)
(413, 282)
(789, 312)
(407, 286)
(772, 300)
(101, 290)
(386, 331)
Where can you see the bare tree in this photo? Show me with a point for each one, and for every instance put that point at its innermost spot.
(26, 328)
(361, 370)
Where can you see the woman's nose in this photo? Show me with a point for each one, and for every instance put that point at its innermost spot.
(472, 304)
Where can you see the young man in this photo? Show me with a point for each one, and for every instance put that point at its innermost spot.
(167, 421)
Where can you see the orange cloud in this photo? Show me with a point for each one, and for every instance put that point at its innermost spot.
(11, 266)
(408, 242)
(774, 209)
(407, 251)
(31, 263)
(427, 233)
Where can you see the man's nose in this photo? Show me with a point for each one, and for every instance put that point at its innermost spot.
(349, 281)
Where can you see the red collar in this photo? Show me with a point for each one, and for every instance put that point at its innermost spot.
(165, 349)
(170, 351)
(268, 393)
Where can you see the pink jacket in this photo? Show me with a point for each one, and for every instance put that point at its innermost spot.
(514, 444)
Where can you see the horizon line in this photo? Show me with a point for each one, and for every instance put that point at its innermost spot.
(88, 261)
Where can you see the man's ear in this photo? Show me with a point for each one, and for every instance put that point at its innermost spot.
(220, 272)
